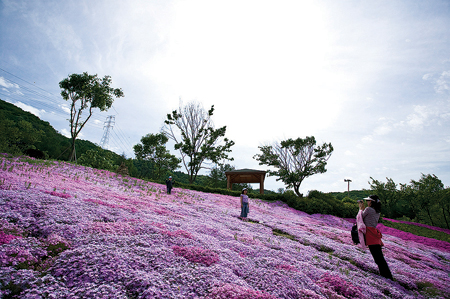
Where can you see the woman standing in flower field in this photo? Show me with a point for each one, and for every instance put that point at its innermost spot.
(244, 203)
(370, 216)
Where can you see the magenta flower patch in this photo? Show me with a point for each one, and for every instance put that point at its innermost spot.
(178, 233)
(229, 291)
(5, 238)
(340, 286)
(197, 255)
(420, 224)
(62, 195)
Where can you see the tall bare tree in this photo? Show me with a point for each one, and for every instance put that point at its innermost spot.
(192, 130)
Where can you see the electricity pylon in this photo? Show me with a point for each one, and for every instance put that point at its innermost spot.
(109, 123)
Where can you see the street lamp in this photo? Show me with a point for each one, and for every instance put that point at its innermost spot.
(348, 186)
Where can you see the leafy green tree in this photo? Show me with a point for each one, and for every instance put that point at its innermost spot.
(444, 204)
(217, 177)
(98, 158)
(388, 193)
(427, 188)
(16, 137)
(295, 160)
(86, 92)
(192, 130)
(152, 148)
(407, 202)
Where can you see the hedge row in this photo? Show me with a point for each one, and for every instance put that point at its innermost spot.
(315, 203)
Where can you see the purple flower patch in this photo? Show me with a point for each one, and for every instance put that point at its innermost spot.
(197, 255)
(5, 238)
(340, 286)
(121, 237)
(229, 291)
(62, 195)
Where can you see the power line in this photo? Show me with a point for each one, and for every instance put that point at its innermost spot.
(118, 139)
(41, 99)
(25, 81)
(123, 136)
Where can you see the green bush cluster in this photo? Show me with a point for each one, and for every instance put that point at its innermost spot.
(315, 203)
(322, 203)
(208, 189)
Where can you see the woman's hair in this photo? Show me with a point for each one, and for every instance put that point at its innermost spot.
(245, 189)
(376, 203)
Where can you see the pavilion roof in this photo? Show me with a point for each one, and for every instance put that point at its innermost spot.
(245, 170)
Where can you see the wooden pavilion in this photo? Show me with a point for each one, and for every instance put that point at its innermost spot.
(246, 176)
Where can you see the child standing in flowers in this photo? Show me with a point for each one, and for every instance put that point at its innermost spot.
(370, 216)
(244, 204)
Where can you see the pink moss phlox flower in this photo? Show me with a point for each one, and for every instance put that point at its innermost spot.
(18, 257)
(116, 236)
(158, 225)
(110, 205)
(197, 255)
(340, 286)
(56, 240)
(5, 238)
(178, 233)
(62, 195)
(162, 211)
(286, 267)
(442, 245)
(228, 291)
(444, 230)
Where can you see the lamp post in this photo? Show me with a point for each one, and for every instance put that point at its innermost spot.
(348, 186)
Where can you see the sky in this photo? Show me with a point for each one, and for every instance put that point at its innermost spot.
(370, 77)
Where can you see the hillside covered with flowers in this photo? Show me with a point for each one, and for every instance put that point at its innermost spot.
(74, 232)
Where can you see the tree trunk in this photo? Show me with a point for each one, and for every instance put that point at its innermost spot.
(429, 215)
(443, 212)
(297, 191)
(73, 155)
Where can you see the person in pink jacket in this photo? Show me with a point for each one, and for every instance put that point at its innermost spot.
(370, 216)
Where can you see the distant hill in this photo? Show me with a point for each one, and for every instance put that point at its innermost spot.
(52, 143)
(57, 146)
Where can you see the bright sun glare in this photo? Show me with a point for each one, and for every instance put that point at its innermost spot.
(251, 55)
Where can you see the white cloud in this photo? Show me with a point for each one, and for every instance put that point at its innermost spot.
(65, 132)
(30, 109)
(367, 139)
(349, 153)
(65, 108)
(382, 130)
(4, 83)
(427, 77)
(443, 83)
